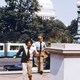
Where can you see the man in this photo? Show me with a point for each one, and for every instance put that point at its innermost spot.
(27, 57)
(40, 46)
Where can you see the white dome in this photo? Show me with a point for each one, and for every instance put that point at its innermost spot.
(78, 3)
(47, 9)
(46, 3)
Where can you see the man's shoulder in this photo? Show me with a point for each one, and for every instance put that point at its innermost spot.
(36, 43)
(43, 42)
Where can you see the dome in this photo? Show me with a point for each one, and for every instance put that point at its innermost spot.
(47, 9)
(78, 3)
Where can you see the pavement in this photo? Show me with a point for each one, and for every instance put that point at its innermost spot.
(35, 76)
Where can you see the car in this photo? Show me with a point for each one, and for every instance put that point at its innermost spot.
(13, 67)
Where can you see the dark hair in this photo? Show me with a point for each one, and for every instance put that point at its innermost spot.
(26, 41)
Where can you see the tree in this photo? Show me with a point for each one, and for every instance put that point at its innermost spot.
(52, 25)
(73, 27)
(20, 12)
(18, 20)
(17, 16)
(23, 38)
(55, 31)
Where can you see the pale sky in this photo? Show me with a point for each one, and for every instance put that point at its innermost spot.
(66, 10)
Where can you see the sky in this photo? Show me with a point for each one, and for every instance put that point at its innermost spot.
(66, 10)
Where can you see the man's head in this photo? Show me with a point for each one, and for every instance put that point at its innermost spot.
(29, 42)
(40, 38)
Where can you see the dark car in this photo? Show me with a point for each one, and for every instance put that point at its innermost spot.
(13, 67)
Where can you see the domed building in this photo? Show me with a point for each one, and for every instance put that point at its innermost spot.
(46, 10)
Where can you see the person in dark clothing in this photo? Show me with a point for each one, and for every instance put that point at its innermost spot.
(27, 57)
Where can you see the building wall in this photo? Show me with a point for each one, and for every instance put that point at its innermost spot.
(57, 66)
(72, 68)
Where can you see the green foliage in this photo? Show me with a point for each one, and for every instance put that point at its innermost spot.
(17, 16)
(18, 22)
(23, 38)
(55, 31)
(73, 27)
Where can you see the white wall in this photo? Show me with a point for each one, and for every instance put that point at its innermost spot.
(72, 68)
(57, 66)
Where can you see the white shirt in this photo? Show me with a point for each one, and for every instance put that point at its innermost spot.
(31, 50)
(37, 45)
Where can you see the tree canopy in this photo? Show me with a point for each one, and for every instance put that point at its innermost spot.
(18, 21)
